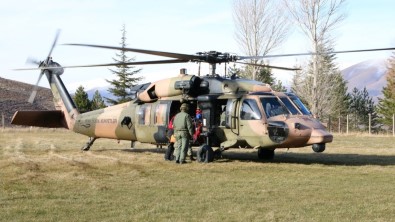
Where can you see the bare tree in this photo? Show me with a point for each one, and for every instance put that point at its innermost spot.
(261, 26)
(316, 19)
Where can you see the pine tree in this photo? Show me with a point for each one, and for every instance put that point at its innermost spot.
(81, 100)
(264, 75)
(126, 75)
(97, 101)
(234, 72)
(279, 87)
(386, 105)
(331, 94)
(360, 107)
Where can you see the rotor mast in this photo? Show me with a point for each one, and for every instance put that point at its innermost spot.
(212, 67)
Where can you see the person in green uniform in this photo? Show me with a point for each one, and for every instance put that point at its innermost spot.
(183, 131)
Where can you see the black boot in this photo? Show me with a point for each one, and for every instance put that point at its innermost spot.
(191, 158)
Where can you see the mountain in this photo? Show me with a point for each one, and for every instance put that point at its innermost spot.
(90, 88)
(369, 74)
(103, 90)
(14, 96)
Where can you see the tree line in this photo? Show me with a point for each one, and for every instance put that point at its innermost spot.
(260, 27)
(263, 25)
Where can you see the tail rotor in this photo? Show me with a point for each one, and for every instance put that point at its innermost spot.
(46, 63)
(35, 88)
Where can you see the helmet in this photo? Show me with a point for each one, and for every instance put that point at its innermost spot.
(184, 106)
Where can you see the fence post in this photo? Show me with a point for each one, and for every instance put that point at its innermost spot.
(329, 124)
(370, 123)
(347, 124)
(393, 124)
(339, 127)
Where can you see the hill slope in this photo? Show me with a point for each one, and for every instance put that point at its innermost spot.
(14, 96)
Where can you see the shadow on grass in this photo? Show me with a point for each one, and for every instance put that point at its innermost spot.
(314, 158)
(134, 150)
(288, 157)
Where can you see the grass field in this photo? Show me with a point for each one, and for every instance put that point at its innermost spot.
(45, 177)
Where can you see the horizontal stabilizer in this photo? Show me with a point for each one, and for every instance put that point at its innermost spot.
(48, 119)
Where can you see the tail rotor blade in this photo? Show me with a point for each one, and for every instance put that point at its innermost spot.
(33, 95)
(35, 88)
(33, 61)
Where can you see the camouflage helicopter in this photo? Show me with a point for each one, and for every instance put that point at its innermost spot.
(235, 112)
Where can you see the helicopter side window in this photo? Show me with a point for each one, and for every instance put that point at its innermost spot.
(250, 110)
(160, 114)
(273, 107)
(144, 114)
(289, 105)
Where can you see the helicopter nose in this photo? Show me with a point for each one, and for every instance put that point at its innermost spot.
(320, 136)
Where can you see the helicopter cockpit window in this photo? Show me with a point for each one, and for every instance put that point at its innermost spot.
(144, 114)
(250, 110)
(300, 105)
(289, 105)
(273, 107)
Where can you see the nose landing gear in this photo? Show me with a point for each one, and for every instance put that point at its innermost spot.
(319, 147)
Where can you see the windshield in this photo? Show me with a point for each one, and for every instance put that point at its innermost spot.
(289, 105)
(273, 107)
(300, 105)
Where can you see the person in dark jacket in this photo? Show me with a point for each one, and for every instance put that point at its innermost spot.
(170, 136)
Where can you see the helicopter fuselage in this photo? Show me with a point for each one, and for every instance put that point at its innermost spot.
(259, 119)
(233, 113)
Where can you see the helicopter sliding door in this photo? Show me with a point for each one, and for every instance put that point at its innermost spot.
(144, 129)
(152, 119)
(161, 116)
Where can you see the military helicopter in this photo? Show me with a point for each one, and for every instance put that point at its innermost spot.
(235, 112)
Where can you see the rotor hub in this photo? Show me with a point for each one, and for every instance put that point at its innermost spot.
(214, 57)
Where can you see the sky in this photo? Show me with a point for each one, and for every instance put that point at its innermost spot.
(183, 26)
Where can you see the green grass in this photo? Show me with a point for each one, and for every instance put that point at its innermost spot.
(45, 177)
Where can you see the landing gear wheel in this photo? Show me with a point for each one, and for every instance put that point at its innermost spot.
(205, 154)
(319, 147)
(265, 154)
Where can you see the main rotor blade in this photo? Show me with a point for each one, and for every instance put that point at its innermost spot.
(54, 43)
(131, 63)
(38, 68)
(364, 50)
(312, 53)
(35, 88)
(144, 51)
(170, 61)
(270, 66)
